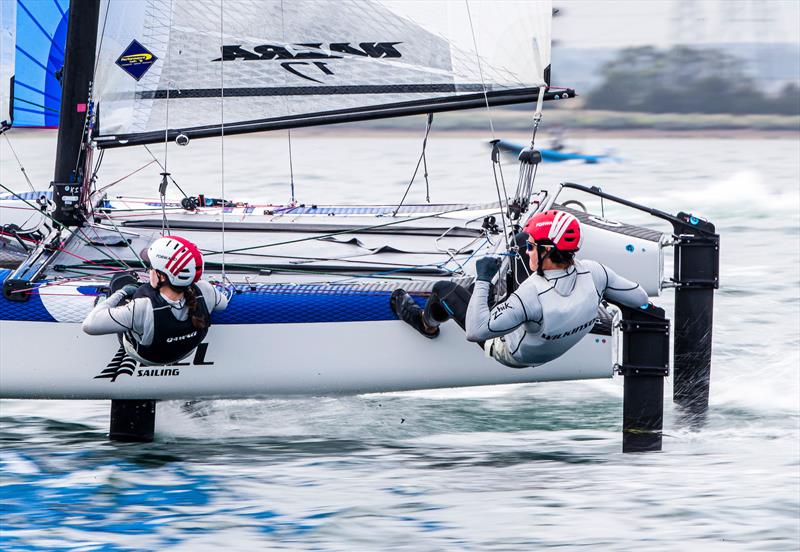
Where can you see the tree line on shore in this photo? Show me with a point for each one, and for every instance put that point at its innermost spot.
(686, 80)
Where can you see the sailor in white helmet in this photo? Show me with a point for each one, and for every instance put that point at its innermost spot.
(550, 311)
(167, 318)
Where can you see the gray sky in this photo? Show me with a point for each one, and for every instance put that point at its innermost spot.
(620, 23)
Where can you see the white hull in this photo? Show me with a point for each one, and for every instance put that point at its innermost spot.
(44, 353)
(42, 360)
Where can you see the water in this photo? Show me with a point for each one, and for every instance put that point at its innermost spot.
(493, 468)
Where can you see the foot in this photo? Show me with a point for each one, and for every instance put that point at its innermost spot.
(409, 312)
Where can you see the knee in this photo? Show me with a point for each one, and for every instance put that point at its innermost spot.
(443, 288)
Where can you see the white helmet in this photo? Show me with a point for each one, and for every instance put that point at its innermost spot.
(177, 258)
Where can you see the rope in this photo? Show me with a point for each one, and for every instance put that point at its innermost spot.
(350, 231)
(416, 169)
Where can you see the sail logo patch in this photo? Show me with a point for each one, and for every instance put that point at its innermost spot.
(136, 60)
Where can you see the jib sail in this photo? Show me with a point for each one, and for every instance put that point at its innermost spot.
(37, 39)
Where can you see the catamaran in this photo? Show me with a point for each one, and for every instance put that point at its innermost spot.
(309, 284)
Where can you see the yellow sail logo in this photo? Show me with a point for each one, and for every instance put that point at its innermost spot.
(135, 59)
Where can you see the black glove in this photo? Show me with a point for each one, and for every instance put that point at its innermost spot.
(129, 290)
(487, 267)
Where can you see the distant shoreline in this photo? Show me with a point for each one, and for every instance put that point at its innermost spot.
(645, 133)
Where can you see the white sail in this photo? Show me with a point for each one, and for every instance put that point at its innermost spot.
(261, 64)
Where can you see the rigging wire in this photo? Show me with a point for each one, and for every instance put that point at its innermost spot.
(480, 69)
(107, 186)
(155, 159)
(291, 168)
(416, 169)
(288, 110)
(21, 166)
(222, 128)
(491, 125)
(57, 223)
(165, 175)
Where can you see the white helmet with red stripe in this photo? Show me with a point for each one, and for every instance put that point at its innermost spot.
(177, 258)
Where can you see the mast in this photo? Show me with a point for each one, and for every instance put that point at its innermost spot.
(78, 71)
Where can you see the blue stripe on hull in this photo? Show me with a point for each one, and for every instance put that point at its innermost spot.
(267, 304)
(307, 304)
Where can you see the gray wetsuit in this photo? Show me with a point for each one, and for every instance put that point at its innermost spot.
(136, 317)
(546, 315)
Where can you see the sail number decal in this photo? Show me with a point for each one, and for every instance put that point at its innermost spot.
(124, 365)
(294, 58)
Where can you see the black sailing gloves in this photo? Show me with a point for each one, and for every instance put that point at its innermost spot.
(130, 290)
(487, 267)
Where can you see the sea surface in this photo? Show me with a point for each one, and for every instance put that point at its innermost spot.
(493, 468)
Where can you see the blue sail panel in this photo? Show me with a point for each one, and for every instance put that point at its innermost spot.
(39, 54)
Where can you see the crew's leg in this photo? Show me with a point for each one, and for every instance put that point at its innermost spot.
(447, 300)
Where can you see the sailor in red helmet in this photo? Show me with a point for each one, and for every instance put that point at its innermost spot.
(550, 311)
(167, 318)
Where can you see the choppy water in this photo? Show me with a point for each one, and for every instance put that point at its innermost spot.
(494, 468)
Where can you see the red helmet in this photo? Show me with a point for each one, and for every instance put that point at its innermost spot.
(557, 228)
(178, 258)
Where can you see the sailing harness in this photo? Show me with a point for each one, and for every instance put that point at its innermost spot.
(173, 339)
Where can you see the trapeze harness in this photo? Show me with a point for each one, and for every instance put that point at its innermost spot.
(546, 315)
(173, 339)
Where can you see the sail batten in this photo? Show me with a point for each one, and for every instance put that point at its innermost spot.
(171, 65)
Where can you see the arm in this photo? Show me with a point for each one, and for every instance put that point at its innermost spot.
(618, 289)
(108, 318)
(215, 299)
(483, 324)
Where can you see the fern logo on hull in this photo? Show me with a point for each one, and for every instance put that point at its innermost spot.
(124, 365)
(136, 60)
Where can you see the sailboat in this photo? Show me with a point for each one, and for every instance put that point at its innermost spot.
(309, 284)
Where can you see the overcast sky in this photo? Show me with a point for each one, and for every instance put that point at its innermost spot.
(620, 23)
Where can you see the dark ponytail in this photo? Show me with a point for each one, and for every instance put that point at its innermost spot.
(199, 318)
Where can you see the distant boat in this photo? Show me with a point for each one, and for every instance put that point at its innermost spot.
(552, 155)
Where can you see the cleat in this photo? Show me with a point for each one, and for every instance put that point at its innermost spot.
(409, 312)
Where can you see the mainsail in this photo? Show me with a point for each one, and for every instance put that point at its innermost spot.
(250, 65)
